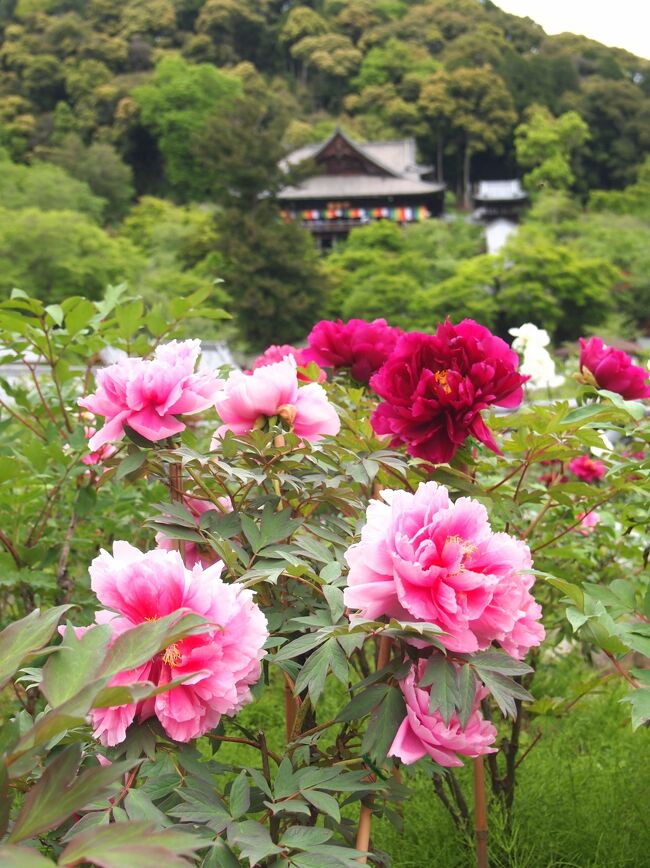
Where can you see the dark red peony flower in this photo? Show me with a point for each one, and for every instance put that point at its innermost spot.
(587, 469)
(359, 345)
(435, 386)
(613, 369)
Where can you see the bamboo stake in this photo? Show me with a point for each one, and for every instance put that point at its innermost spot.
(363, 833)
(290, 707)
(480, 814)
(176, 495)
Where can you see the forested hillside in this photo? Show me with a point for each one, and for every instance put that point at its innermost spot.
(140, 141)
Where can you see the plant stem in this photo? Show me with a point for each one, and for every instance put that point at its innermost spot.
(480, 814)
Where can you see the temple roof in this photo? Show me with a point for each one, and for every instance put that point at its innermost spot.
(360, 170)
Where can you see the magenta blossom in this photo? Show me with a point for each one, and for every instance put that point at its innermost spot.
(149, 395)
(99, 455)
(361, 346)
(422, 733)
(248, 400)
(434, 388)
(276, 353)
(195, 553)
(587, 469)
(221, 664)
(423, 557)
(613, 369)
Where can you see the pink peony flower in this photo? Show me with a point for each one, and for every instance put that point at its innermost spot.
(588, 522)
(421, 733)
(99, 455)
(273, 390)
(359, 345)
(435, 386)
(194, 553)
(587, 469)
(276, 353)
(423, 557)
(613, 369)
(149, 395)
(221, 664)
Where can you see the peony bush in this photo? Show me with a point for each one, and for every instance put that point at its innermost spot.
(385, 550)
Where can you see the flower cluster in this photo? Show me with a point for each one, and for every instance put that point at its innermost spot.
(423, 557)
(434, 388)
(361, 346)
(423, 733)
(613, 370)
(149, 395)
(249, 400)
(219, 665)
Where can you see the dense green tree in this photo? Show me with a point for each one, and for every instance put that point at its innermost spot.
(272, 275)
(54, 254)
(546, 145)
(46, 187)
(101, 167)
(175, 106)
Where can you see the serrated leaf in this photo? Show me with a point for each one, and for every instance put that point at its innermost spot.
(499, 661)
(639, 699)
(440, 675)
(504, 690)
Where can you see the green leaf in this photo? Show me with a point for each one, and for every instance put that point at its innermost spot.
(499, 661)
(304, 837)
(240, 796)
(76, 664)
(334, 597)
(440, 674)
(639, 699)
(466, 694)
(23, 857)
(124, 845)
(59, 793)
(299, 646)
(253, 840)
(363, 703)
(21, 639)
(133, 461)
(635, 409)
(324, 803)
(383, 725)
(504, 690)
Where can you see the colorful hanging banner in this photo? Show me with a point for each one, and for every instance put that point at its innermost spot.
(406, 214)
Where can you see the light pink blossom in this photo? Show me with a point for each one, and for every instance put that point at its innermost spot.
(99, 455)
(422, 733)
(277, 352)
(194, 553)
(248, 400)
(588, 522)
(221, 664)
(149, 395)
(423, 557)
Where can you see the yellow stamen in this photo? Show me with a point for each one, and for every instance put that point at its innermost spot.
(441, 378)
(172, 656)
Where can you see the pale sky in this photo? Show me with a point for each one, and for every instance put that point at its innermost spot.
(619, 23)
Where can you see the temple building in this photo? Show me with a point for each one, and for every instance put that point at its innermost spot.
(356, 183)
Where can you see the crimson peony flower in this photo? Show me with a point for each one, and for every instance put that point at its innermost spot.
(613, 369)
(422, 733)
(222, 664)
(273, 390)
(587, 469)
(194, 553)
(361, 346)
(275, 353)
(149, 395)
(435, 386)
(422, 557)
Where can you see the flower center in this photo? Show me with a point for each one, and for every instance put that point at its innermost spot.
(466, 548)
(172, 656)
(441, 379)
(287, 412)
